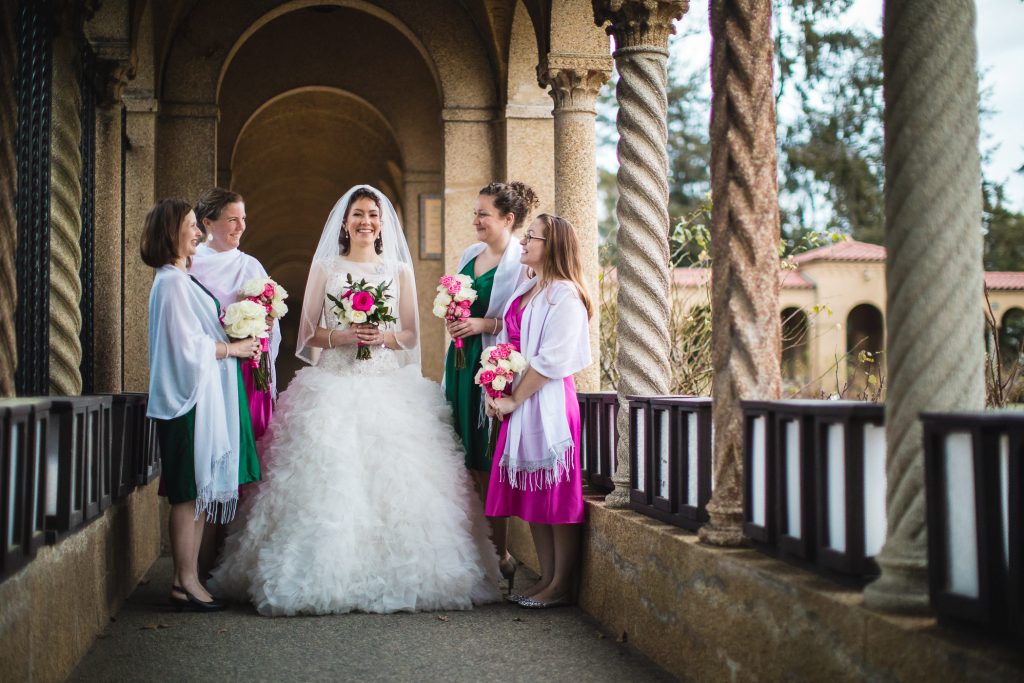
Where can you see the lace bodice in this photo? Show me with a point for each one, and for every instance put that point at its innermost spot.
(342, 359)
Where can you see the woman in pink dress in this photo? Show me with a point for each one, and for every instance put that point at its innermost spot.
(223, 268)
(536, 470)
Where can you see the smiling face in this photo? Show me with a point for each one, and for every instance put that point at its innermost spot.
(533, 245)
(363, 223)
(226, 231)
(491, 226)
(189, 237)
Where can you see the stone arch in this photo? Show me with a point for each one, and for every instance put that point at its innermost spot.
(796, 358)
(865, 332)
(216, 31)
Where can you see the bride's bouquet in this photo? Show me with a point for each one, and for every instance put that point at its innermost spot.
(270, 296)
(499, 365)
(455, 294)
(362, 303)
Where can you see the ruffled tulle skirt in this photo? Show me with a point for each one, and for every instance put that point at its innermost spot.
(365, 505)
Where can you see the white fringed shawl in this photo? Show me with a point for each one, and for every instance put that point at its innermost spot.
(184, 372)
(554, 338)
(224, 273)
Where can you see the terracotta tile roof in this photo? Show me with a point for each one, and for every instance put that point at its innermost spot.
(849, 250)
(1004, 280)
(697, 277)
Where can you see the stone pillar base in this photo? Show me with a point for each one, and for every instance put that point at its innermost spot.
(725, 527)
(902, 588)
(618, 498)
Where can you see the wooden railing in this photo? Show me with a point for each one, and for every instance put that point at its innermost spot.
(974, 473)
(63, 462)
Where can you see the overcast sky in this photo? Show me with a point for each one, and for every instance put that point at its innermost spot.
(1001, 57)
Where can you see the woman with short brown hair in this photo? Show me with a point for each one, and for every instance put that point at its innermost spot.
(196, 398)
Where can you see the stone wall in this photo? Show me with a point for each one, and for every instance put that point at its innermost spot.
(718, 614)
(53, 609)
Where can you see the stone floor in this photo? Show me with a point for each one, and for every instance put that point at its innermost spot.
(148, 641)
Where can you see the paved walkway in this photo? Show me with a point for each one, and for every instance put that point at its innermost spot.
(150, 642)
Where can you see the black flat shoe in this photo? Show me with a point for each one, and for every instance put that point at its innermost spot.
(194, 604)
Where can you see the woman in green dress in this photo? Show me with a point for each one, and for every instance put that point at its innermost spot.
(196, 398)
(493, 263)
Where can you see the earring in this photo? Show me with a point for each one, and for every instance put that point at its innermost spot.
(378, 244)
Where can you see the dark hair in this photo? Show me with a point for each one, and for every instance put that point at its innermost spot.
(562, 255)
(513, 197)
(159, 242)
(343, 239)
(212, 203)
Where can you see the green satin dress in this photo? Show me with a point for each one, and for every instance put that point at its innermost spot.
(459, 388)
(177, 443)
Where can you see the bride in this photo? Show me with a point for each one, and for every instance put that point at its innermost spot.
(365, 504)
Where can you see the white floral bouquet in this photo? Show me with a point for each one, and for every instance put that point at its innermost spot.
(247, 317)
(455, 294)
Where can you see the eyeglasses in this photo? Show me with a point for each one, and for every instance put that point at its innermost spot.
(530, 236)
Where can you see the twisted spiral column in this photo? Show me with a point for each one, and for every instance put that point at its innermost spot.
(746, 329)
(65, 222)
(933, 263)
(574, 82)
(641, 29)
(8, 186)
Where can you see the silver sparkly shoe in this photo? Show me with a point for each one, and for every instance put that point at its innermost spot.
(530, 603)
(516, 598)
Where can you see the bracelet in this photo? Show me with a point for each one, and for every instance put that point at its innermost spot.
(494, 332)
(329, 335)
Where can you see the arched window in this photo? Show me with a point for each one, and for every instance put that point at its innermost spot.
(795, 347)
(1011, 335)
(865, 342)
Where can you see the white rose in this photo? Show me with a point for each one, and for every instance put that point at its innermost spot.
(464, 280)
(499, 383)
(278, 309)
(505, 364)
(357, 316)
(462, 296)
(440, 311)
(518, 362)
(441, 299)
(254, 286)
(280, 293)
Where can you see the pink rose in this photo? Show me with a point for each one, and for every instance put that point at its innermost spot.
(362, 301)
(268, 291)
(466, 303)
(486, 377)
(347, 294)
(446, 281)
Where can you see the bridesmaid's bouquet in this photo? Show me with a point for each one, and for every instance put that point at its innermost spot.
(244, 319)
(266, 293)
(362, 303)
(499, 365)
(455, 294)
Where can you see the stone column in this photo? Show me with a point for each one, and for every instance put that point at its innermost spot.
(641, 29)
(746, 328)
(108, 241)
(8, 187)
(574, 82)
(933, 264)
(139, 194)
(65, 220)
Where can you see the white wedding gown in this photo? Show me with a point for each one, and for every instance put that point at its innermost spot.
(365, 503)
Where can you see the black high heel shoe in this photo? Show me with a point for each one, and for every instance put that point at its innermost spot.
(507, 567)
(191, 602)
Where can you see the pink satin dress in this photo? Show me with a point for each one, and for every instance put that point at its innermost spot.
(558, 504)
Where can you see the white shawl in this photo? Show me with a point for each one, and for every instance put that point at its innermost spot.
(554, 338)
(224, 273)
(184, 372)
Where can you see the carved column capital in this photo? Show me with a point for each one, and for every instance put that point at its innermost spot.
(115, 66)
(639, 23)
(574, 80)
